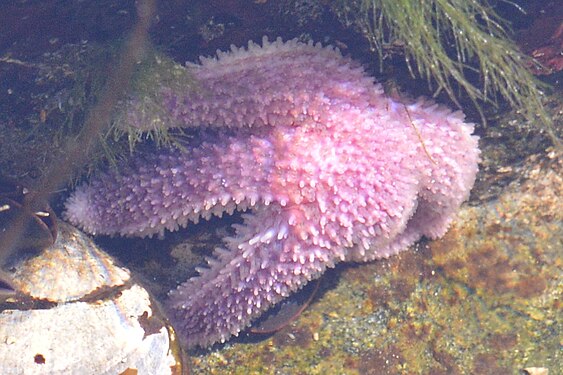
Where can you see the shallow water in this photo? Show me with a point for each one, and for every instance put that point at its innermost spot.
(486, 298)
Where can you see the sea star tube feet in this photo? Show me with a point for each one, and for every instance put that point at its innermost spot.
(328, 170)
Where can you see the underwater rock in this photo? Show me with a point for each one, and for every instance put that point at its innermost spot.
(76, 312)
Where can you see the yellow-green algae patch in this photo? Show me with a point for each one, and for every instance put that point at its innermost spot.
(484, 299)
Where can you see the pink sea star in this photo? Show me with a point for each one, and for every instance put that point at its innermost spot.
(330, 169)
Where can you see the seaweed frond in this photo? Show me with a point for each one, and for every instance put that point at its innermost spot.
(446, 41)
(86, 67)
(154, 73)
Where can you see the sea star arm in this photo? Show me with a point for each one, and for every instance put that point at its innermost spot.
(155, 192)
(265, 262)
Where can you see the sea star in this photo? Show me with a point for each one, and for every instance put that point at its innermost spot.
(328, 167)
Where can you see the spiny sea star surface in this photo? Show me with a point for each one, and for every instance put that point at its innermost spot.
(327, 167)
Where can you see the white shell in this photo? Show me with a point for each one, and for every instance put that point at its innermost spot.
(101, 323)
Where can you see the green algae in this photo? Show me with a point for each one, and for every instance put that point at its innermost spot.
(155, 72)
(448, 42)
